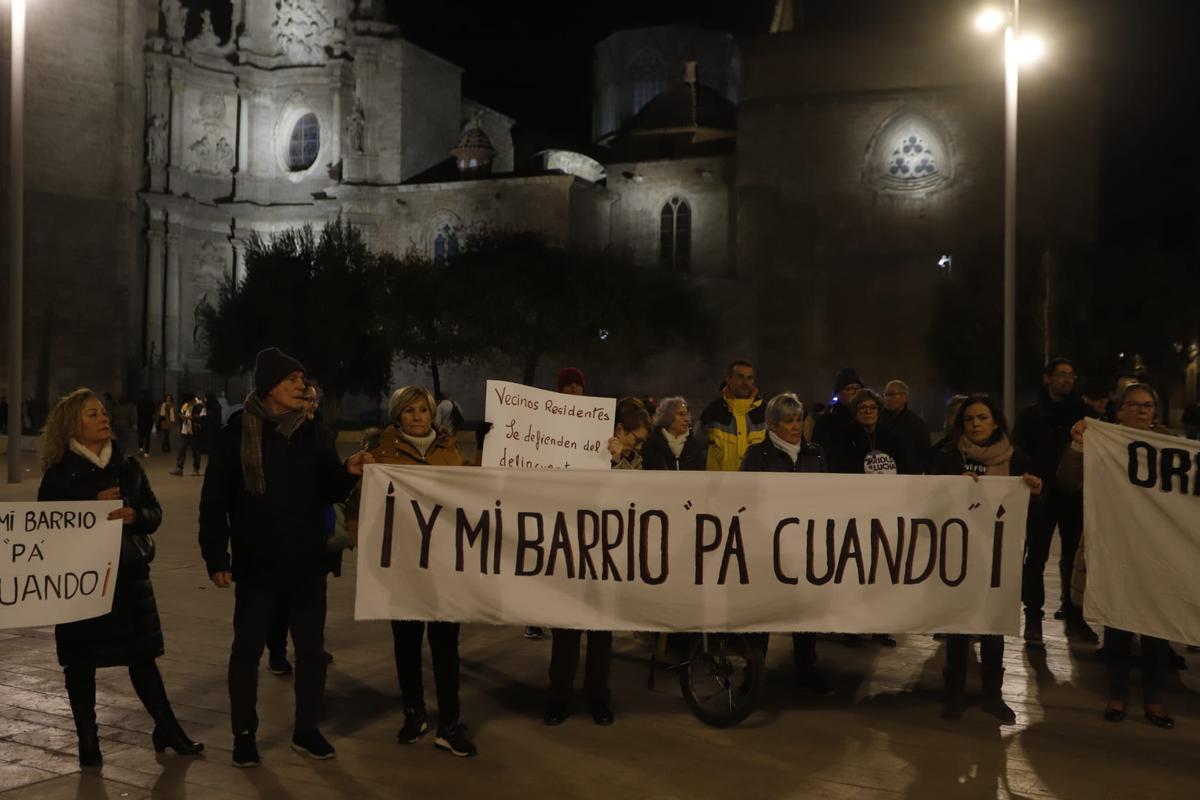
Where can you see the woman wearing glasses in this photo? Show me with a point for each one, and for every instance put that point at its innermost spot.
(1136, 407)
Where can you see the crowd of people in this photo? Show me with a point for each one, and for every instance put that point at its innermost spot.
(278, 506)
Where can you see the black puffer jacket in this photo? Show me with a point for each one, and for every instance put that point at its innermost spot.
(131, 632)
(1043, 431)
(766, 457)
(278, 536)
(656, 453)
(848, 453)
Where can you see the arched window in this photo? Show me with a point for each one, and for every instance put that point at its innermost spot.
(445, 243)
(675, 234)
(304, 143)
(910, 153)
(649, 74)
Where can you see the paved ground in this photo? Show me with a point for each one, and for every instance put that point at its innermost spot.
(879, 736)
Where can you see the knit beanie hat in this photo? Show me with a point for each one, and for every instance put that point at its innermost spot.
(569, 375)
(271, 366)
(844, 378)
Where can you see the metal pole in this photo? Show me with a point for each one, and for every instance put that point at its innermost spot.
(1010, 218)
(16, 226)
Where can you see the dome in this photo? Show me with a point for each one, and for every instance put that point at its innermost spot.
(474, 153)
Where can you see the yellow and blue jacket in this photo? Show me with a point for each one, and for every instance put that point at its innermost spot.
(731, 426)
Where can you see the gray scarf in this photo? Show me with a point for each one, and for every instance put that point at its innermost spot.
(255, 413)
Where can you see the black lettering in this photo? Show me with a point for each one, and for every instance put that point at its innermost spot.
(893, 558)
(734, 549)
(915, 530)
(812, 577)
(997, 549)
(525, 544)
(426, 527)
(499, 540)
(479, 532)
(701, 547)
(630, 526)
(779, 573)
(585, 547)
(962, 573)
(848, 552)
(560, 540)
(84, 589)
(1151, 464)
(644, 538)
(1175, 462)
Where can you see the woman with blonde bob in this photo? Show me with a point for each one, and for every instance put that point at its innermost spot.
(412, 438)
(82, 462)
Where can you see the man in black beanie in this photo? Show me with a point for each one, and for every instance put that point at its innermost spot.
(269, 478)
(829, 427)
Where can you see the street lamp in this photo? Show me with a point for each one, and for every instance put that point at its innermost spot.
(1017, 51)
(16, 230)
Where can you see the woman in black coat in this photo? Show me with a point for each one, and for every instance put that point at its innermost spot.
(672, 444)
(865, 446)
(81, 462)
(784, 450)
(980, 445)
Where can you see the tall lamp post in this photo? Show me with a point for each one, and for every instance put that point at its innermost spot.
(1017, 50)
(16, 231)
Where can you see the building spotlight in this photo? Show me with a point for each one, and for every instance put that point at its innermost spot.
(946, 263)
(990, 20)
(1030, 48)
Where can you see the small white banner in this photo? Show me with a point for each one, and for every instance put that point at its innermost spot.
(58, 561)
(680, 551)
(1141, 521)
(536, 429)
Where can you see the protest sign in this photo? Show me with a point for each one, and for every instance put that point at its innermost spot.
(1141, 522)
(677, 551)
(58, 561)
(536, 429)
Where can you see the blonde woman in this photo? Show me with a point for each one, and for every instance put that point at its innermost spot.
(81, 462)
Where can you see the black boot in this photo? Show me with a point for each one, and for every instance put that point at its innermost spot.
(956, 695)
(993, 699)
(147, 682)
(81, 691)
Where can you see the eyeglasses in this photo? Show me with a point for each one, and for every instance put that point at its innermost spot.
(868, 407)
(1067, 376)
(1146, 406)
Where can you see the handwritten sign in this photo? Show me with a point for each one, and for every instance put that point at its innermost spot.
(58, 562)
(680, 551)
(536, 429)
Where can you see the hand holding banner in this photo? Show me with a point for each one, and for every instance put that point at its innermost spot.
(536, 429)
(58, 561)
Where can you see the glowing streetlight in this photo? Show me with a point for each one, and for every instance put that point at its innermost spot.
(1017, 51)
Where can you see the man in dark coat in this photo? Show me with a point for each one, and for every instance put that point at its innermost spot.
(909, 427)
(831, 426)
(1043, 431)
(270, 477)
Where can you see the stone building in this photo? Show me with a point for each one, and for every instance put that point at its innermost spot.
(808, 180)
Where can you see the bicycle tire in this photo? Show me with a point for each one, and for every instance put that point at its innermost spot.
(723, 685)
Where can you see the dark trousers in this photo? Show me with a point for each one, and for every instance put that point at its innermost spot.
(958, 650)
(188, 441)
(804, 649)
(278, 632)
(1118, 657)
(147, 683)
(564, 663)
(1064, 513)
(166, 439)
(253, 613)
(144, 439)
(443, 646)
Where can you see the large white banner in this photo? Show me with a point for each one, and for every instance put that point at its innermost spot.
(536, 429)
(58, 561)
(678, 551)
(1141, 522)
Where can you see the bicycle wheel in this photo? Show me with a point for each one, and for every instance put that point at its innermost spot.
(722, 680)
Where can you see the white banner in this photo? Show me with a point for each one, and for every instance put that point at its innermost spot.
(58, 562)
(678, 551)
(536, 429)
(1141, 522)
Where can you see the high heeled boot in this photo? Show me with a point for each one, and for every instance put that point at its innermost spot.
(81, 692)
(147, 682)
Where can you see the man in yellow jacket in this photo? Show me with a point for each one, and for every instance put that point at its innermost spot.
(734, 420)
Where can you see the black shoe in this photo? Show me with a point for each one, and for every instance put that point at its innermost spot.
(885, 639)
(534, 632)
(454, 740)
(312, 744)
(1033, 631)
(813, 681)
(177, 471)
(172, 736)
(89, 750)
(1061, 613)
(415, 726)
(245, 751)
(278, 664)
(995, 705)
(556, 713)
(1077, 628)
(328, 656)
(1165, 721)
(1175, 661)
(601, 712)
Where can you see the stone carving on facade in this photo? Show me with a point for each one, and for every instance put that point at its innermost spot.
(211, 153)
(156, 141)
(175, 17)
(304, 29)
(207, 41)
(356, 128)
